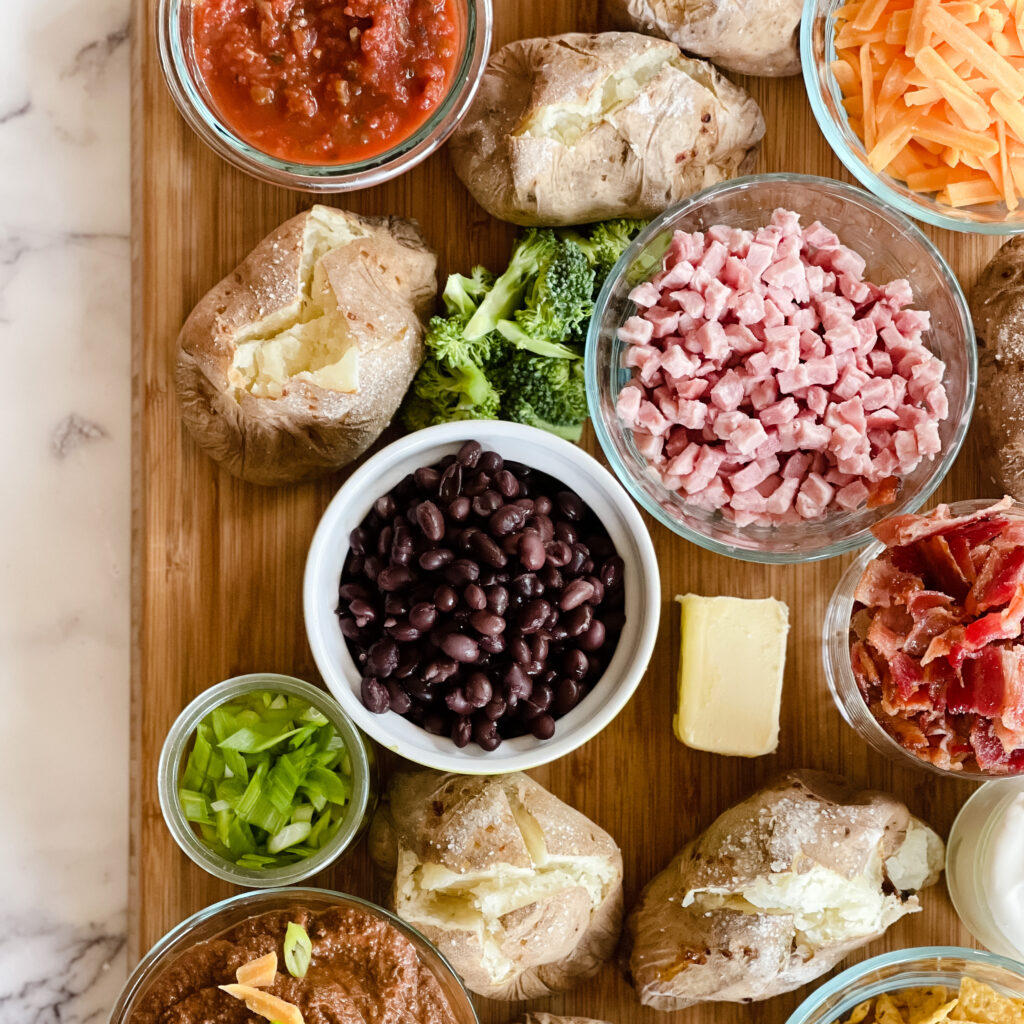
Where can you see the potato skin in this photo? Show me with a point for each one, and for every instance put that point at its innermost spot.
(309, 431)
(997, 308)
(682, 954)
(750, 37)
(462, 823)
(688, 127)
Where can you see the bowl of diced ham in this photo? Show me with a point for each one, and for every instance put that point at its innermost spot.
(922, 642)
(778, 363)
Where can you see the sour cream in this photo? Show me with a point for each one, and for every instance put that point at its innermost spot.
(985, 866)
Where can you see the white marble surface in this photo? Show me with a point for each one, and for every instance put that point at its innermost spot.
(64, 507)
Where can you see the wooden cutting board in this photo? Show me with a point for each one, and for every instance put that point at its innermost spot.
(217, 564)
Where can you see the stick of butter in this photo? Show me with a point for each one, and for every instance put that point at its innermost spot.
(731, 662)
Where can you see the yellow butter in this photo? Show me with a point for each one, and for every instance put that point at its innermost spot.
(731, 664)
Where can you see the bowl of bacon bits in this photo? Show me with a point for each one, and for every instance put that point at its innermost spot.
(923, 641)
(778, 363)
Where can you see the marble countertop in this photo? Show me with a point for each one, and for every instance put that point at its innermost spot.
(64, 571)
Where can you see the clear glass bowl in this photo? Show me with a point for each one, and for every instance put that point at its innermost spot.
(192, 98)
(218, 918)
(176, 746)
(893, 247)
(817, 52)
(907, 968)
(835, 651)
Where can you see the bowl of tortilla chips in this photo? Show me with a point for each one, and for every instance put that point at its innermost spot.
(927, 985)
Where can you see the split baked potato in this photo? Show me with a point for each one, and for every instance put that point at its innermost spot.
(295, 363)
(997, 307)
(519, 891)
(576, 128)
(777, 891)
(752, 37)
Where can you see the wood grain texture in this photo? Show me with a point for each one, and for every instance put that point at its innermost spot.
(218, 564)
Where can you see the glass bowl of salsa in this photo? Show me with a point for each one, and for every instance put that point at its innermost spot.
(323, 95)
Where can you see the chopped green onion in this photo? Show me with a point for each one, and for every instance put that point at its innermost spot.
(298, 950)
(267, 780)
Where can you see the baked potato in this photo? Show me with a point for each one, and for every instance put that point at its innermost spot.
(293, 364)
(997, 307)
(777, 891)
(520, 892)
(577, 128)
(752, 37)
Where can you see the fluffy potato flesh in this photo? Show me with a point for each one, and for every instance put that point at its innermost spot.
(827, 907)
(308, 340)
(480, 902)
(567, 123)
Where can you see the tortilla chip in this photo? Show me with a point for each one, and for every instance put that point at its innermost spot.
(886, 1010)
(982, 1004)
(859, 1012)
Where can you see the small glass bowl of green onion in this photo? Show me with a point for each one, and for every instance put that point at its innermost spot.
(264, 781)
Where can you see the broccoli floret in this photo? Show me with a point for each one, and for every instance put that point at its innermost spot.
(542, 392)
(463, 294)
(452, 383)
(561, 297)
(446, 340)
(604, 243)
(533, 251)
(439, 394)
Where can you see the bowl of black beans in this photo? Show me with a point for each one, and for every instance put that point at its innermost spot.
(482, 605)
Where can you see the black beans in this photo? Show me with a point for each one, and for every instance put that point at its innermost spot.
(382, 658)
(491, 463)
(469, 454)
(481, 599)
(486, 623)
(428, 515)
(543, 727)
(423, 616)
(375, 695)
(461, 571)
(398, 699)
(460, 647)
(576, 593)
(479, 690)
(533, 616)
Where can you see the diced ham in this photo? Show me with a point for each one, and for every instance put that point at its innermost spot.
(628, 404)
(814, 496)
(646, 294)
(771, 381)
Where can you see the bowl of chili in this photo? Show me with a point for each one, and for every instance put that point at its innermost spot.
(323, 95)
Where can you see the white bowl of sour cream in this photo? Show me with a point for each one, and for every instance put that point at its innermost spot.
(985, 866)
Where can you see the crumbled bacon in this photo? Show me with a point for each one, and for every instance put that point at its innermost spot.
(936, 639)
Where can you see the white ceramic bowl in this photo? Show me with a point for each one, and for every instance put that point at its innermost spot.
(547, 454)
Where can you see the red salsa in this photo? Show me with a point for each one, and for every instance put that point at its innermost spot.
(323, 81)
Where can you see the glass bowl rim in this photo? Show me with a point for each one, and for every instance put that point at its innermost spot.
(847, 978)
(857, 540)
(152, 956)
(842, 595)
(930, 213)
(405, 154)
(169, 766)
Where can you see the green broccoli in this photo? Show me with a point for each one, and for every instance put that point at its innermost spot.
(532, 252)
(440, 393)
(446, 341)
(604, 243)
(515, 335)
(546, 393)
(561, 297)
(463, 294)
